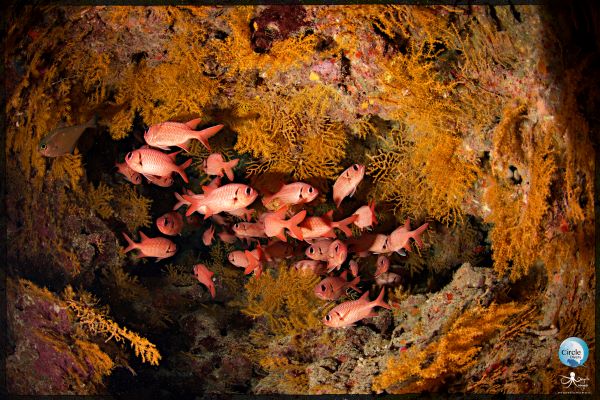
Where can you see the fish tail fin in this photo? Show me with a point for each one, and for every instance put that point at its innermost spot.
(416, 234)
(180, 201)
(343, 224)
(181, 170)
(193, 207)
(131, 244)
(229, 166)
(373, 218)
(206, 134)
(292, 224)
(380, 302)
(252, 262)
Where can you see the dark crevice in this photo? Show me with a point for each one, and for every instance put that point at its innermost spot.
(494, 16)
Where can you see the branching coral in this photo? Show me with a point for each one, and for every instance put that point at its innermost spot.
(293, 133)
(456, 351)
(126, 286)
(238, 54)
(284, 299)
(99, 199)
(518, 232)
(416, 179)
(132, 208)
(96, 321)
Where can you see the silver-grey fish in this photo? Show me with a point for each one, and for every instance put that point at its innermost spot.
(62, 140)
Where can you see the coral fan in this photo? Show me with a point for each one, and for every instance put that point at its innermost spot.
(96, 321)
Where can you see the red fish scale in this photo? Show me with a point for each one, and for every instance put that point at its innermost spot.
(156, 247)
(172, 133)
(222, 198)
(155, 162)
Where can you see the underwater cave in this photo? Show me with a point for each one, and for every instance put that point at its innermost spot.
(300, 199)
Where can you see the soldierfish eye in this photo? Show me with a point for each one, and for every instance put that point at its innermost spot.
(248, 191)
(43, 146)
(310, 189)
(236, 226)
(311, 250)
(129, 155)
(322, 288)
(355, 167)
(328, 317)
(337, 248)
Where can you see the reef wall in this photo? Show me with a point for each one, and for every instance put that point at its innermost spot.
(476, 119)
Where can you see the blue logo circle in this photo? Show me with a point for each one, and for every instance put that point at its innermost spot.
(573, 352)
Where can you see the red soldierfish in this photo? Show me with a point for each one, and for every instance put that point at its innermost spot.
(318, 250)
(170, 223)
(227, 237)
(369, 243)
(249, 230)
(399, 238)
(244, 213)
(314, 266)
(321, 227)
(388, 279)
(278, 250)
(216, 165)
(158, 247)
(208, 235)
(162, 181)
(336, 255)
(154, 162)
(366, 216)
(239, 258)
(354, 268)
(333, 287)
(230, 197)
(383, 265)
(205, 277)
(275, 224)
(177, 134)
(346, 183)
(346, 314)
(129, 174)
(293, 193)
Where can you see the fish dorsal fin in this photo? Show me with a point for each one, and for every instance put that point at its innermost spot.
(281, 211)
(173, 155)
(328, 215)
(364, 297)
(143, 236)
(407, 224)
(193, 123)
(207, 189)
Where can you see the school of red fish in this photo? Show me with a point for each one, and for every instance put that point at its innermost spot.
(326, 252)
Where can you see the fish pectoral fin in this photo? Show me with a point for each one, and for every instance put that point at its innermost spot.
(353, 191)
